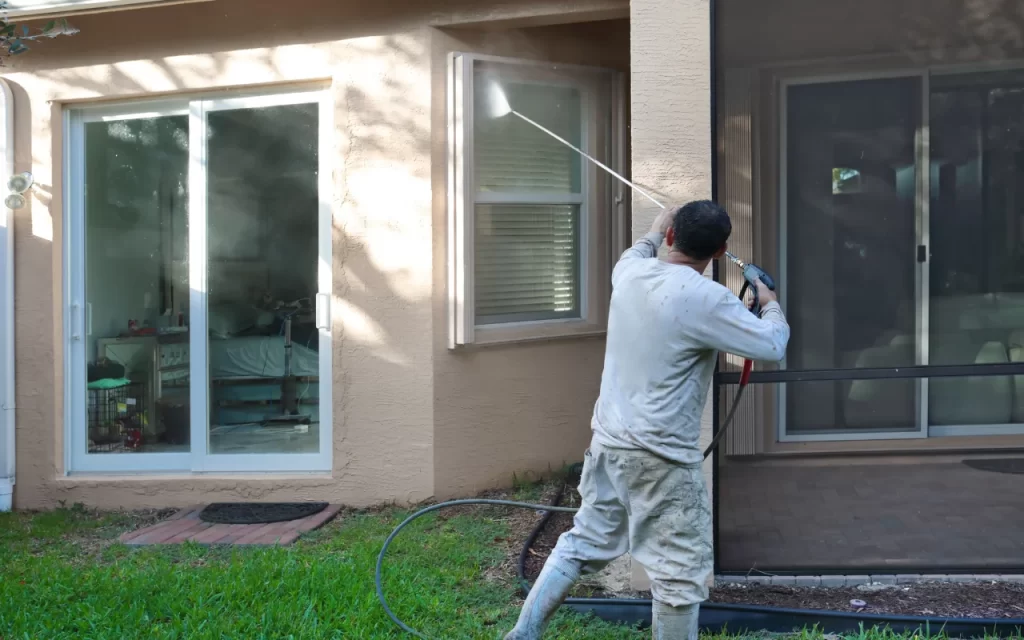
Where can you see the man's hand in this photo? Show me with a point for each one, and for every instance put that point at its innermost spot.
(665, 219)
(764, 295)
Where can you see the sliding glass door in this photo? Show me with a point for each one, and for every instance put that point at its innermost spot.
(887, 265)
(851, 285)
(199, 279)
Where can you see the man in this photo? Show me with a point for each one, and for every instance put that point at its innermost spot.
(642, 487)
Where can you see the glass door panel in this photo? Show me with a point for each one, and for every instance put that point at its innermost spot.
(848, 239)
(129, 292)
(263, 244)
(976, 223)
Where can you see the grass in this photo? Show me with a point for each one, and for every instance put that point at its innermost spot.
(63, 575)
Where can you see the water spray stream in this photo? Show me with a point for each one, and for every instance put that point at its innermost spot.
(501, 108)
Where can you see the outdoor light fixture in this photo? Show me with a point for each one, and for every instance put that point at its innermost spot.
(17, 185)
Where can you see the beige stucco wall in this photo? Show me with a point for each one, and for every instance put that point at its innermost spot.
(496, 412)
(671, 107)
(671, 123)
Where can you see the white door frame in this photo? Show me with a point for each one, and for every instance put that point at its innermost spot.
(76, 320)
(7, 365)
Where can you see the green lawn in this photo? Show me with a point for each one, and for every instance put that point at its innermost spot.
(62, 575)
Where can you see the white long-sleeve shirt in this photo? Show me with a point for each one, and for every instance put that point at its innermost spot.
(666, 325)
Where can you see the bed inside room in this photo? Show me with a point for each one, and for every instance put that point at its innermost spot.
(261, 279)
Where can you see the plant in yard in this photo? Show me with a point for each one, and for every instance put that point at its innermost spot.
(14, 37)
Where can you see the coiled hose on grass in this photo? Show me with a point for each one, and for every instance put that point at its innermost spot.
(546, 508)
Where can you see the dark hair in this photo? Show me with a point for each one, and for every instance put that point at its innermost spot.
(701, 228)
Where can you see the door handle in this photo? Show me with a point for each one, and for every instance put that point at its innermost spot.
(76, 322)
(88, 318)
(922, 253)
(323, 311)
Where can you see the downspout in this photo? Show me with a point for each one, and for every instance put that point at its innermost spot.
(7, 412)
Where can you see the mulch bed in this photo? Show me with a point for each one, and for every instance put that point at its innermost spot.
(953, 600)
(945, 600)
(548, 538)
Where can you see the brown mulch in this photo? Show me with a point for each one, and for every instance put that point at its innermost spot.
(934, 599)
(952, 600)
(542, 547)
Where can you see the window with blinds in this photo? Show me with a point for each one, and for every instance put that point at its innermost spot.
(527, 204)
(529, 219)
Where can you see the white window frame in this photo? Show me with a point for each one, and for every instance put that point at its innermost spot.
(76, 319)
(601, 92)
(922, 429)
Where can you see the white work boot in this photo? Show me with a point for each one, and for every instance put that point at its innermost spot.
(547, 594)
(675, 623)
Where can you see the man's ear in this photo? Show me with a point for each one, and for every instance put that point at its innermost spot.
(721, 252)
(670, 237)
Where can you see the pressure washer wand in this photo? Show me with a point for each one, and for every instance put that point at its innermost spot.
(588, 157)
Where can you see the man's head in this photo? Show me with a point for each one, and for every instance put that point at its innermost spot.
(701, 230)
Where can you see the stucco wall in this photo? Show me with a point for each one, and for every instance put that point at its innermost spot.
(377, 59)
(671, 107)
(671, 124)
(516, 409)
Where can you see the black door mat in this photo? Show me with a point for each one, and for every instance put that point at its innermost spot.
(259, 512)
(998, 465)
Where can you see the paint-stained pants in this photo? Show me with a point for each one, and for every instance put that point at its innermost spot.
(655, 509)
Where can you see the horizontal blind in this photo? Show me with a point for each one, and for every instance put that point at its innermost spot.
(527, 254)
(527, 262)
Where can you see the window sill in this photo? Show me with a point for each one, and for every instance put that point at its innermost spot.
(540, 332)
(88, 478)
